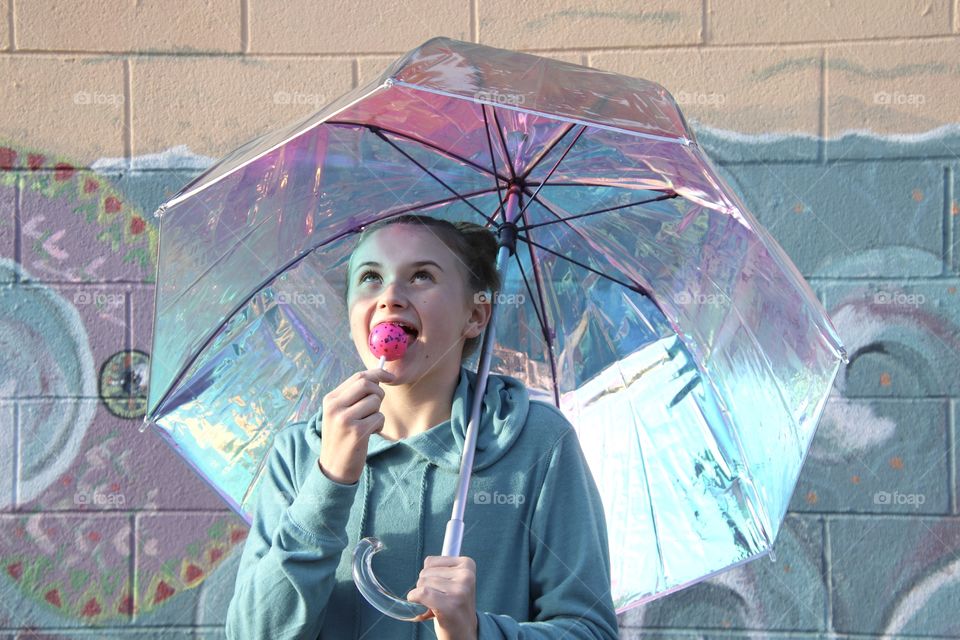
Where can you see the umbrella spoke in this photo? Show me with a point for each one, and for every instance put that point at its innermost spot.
(406, 136)
(632, 287)
(538, 281)
(541, 313)
(554, 168)
(493, 160)
(283, 269)
(666, 196)
(379, 134)
(543, 154)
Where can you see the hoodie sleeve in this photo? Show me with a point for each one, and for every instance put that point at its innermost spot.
(289, 560)
(570, 558)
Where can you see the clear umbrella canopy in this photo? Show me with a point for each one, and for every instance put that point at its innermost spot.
(644, 299)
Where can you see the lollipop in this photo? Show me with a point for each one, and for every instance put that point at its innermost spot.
(388, 341)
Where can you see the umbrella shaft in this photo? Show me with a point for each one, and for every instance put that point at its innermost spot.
(454, 533)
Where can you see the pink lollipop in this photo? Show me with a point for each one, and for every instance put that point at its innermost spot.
(388, 341)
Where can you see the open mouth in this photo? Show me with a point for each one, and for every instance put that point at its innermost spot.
(410, 331)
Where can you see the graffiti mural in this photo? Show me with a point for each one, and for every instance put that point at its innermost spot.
(100, 523)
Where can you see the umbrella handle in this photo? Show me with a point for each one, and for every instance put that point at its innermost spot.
(374, 592)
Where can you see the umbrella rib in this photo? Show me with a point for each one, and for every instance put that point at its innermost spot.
(503, 143)
(380, 135)
(637, 431)
(493, 161)
(550, 173)
(406, 136)
(666, 196)
(541, 315)
(538, 280)
(283, 268)
(637, 288)
(633, 287)
(759, 504)
(546, 150)
(220, 259)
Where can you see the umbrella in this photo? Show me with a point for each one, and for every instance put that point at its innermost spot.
(645, 300)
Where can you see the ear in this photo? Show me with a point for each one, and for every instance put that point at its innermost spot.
(480, 311)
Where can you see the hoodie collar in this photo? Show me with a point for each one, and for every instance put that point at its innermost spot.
(505, 406)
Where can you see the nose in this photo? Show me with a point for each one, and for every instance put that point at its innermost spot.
(391, 296)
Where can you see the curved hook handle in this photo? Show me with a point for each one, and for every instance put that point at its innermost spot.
(375, 593)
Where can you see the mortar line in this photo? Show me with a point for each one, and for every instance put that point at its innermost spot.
(128, 324)
(695, 47)
(132, 569)
(245, 26)
(17, 227)
(474, 21)
(16, 456)
(704, 23)
(128, 112)
(952, 453)
(822, 116)
(827, 554)
(10, 24)
(948, 196)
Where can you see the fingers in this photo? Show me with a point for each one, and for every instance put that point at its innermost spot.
(359, 386)
(363, 408)
(449, 561)
(424, 616)
(372, 423)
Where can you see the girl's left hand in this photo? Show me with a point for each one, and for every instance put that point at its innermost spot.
(448, 586)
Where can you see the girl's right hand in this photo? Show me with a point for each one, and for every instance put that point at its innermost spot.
(351, 412)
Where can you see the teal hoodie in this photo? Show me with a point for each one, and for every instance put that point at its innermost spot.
(534, 526)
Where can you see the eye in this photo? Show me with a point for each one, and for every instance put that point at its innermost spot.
(363, 276)
(426, 273)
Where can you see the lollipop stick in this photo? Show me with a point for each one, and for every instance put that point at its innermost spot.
(383, 359)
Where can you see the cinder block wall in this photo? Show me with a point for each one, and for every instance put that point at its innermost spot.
(835, 121)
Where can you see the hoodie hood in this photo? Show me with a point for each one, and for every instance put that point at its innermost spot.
(505, 406)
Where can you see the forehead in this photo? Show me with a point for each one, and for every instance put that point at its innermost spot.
(398, 244)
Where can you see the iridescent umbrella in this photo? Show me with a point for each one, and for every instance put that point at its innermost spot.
(640, 296)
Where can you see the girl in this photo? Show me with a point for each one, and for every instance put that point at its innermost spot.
(384, 460)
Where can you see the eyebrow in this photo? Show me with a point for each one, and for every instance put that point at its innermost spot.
(419, 263)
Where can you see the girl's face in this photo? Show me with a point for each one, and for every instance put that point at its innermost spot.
(405, 272)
